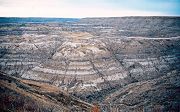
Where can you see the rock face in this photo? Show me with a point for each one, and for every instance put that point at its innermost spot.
(123, 64)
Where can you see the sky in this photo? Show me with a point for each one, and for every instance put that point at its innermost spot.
(88, 8)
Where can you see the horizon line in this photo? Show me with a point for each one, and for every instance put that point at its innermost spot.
(88, 17)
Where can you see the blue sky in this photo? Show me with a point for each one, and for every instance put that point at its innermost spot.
(88, 8)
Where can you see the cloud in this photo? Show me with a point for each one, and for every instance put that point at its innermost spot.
(85, 8)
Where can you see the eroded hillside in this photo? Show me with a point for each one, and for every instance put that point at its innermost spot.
(26, 95)
(122, 64)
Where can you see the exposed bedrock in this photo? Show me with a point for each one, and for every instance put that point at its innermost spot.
(112, 62)
(94, 65)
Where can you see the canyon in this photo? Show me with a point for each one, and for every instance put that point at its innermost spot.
(120, 64)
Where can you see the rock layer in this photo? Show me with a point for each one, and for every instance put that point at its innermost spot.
(120, 61)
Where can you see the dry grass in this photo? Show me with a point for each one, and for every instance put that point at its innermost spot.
(36, 96)
(78, 35)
